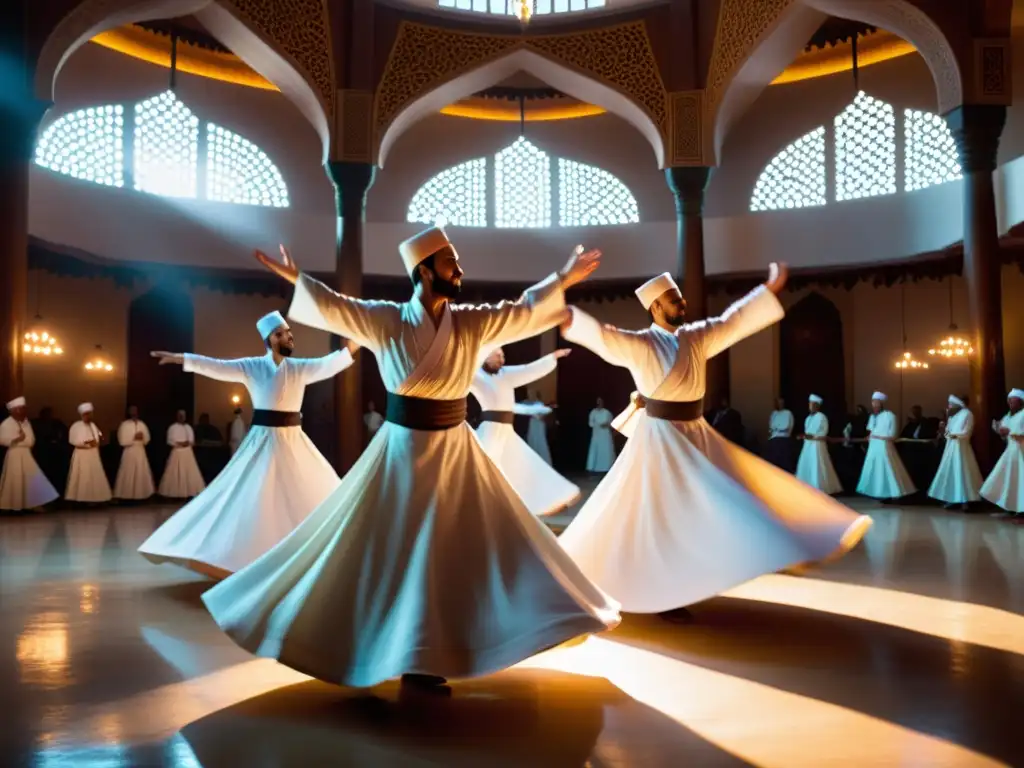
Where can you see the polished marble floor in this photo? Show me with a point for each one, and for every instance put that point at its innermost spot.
(909, 652)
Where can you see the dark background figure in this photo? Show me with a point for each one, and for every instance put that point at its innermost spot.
(920, 459)
(728, 422)
(212, 453)
(849, 458)
(52, 452)
(781, 449)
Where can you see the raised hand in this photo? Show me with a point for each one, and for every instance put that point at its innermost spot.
(560, 353)
(168, 358)
(778, 274)
(286, 268)
(579, 267)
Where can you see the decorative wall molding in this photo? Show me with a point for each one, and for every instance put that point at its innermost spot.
(993, 72)
(353, 127)
(686, 128)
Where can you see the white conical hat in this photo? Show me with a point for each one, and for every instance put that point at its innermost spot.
(15, 403)
(653, 288)
(815, 399)
(85, 408)
(954, 400)
(269, 323)
(879, 396)
(418, 247)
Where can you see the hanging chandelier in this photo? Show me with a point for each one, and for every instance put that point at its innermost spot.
(907, 362)
(954, 346)
(41, 343)
(98, 363)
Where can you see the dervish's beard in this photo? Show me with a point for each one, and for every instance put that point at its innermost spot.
(284, 351)
(445, 288)
(492, 368)
(676, 320)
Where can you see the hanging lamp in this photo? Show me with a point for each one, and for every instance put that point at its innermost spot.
(954, 346)
(39, 341)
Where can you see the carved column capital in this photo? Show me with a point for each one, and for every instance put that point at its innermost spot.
(977, 128)
(688, 185)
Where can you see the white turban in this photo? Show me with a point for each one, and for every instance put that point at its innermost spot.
(267, 324)
(879, 396)
(15, 403)
(815, 399)
(84, 408)
(1018, 393)
(954, 400)
(655, 287)
(419, 247)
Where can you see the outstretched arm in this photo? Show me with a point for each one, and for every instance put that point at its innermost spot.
(222, 370)
(521, 375)
(754, 312)
(320, 368)
(531, 409)
(613, 345)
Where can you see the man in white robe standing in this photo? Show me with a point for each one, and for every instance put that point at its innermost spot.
(884, 476)
(537, 430)
(182, 478)
(814, 466)
(958, 480)
(544, 491)
(237, 432)
(277, 476)
(87, 482)
(686, 514)
(601, 453)
(134, 480)
(424, 563)
(1004, 487)
(22, 484)
(779, 450)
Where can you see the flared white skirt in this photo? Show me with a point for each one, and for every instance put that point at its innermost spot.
(1005, 486)
(958, 480)
(87, 481)
(23, 484)
(884, 476)
(134, 476)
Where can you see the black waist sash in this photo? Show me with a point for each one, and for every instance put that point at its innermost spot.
(500, 417)
(276, 419)
(675, 411)
(425, 414)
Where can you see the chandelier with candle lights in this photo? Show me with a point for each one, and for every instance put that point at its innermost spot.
(41, 344)
(98, 363)
(907, 362)
(954, 346)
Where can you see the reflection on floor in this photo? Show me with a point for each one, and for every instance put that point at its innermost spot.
(908, 652)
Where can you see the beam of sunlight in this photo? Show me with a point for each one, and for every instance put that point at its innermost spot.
(759, 724)
(948, 619)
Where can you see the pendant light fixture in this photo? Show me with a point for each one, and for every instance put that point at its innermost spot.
(954, 346)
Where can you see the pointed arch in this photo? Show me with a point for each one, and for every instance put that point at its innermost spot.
(87, 144)
(539, 65)
(458, 195)
(590, 196)
(238, 171)
(795, 177)
(265, 55)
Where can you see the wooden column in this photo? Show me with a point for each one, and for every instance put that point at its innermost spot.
(977, 129)
(20, 114)
(687, 185)
(351, 183)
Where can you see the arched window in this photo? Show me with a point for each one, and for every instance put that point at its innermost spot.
(522, 186)
(166, 157)
(865, 149)
(237, 171)
(931, 154)
(87, 144)
(795, 178)
(506, 8)
(457, 195)
(523, 193)
(589, 196)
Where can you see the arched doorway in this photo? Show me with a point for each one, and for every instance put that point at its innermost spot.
(161, 319)
(812, 359)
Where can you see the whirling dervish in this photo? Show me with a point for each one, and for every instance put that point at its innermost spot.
(134, 480)
(274, 479)
(958, 480)
(22, 484)
(425, 562)
(685, 514)
(814, 466)
(544, 491)
(1004, 487)
(884, 476)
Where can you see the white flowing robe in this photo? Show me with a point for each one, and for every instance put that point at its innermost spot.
(134, 475)
(537, 431)
(780, 424)
(424, 560)
(814, 466)
(22, 484)
(685, 514)
(237, 435)
(958, 480)
(601, 453)
(1004, 487)
(542, 489)
(87, 480)
(273, 481)
(182, 478)
(883, 475)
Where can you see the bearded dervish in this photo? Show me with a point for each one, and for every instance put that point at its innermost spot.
(87, 480)
(424, 563)
(494, 386)
(685, 514)
(274, 480)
